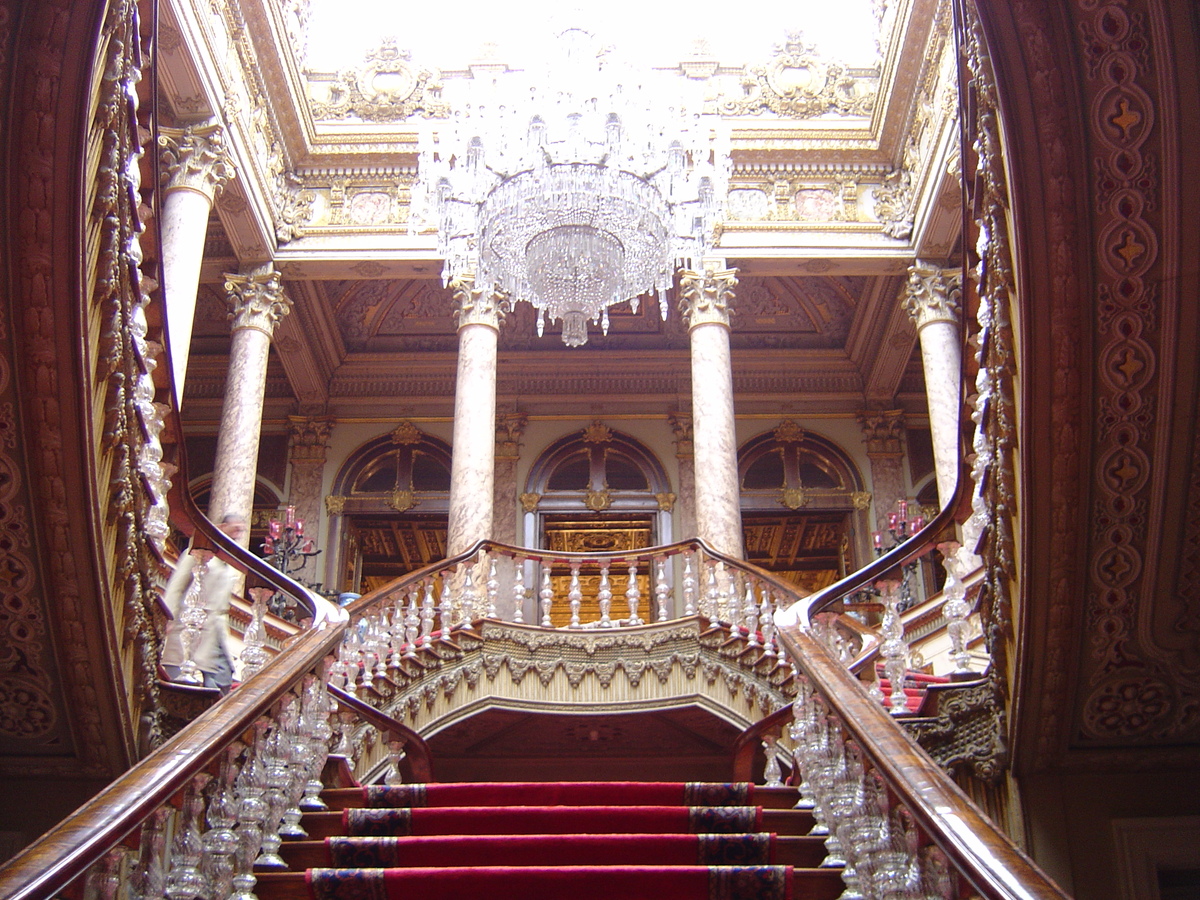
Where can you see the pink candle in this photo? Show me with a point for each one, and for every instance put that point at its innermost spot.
(291, 515)
(299, 526)
(878, 540)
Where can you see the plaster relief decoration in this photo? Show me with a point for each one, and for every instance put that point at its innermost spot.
(387, 87)
(799, 84)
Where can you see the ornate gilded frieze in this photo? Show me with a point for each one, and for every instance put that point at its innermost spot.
(504, 662)
(386, 87)
(797, 83)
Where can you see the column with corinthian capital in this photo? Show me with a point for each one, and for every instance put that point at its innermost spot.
(883, 431)
(256, 305)
(933, 299)
(308, 439)
(706, 299)
(196, 165)
(473, 464)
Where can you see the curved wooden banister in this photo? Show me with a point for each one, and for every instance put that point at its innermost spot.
(983, 855)
(417, 753)
(66, 851)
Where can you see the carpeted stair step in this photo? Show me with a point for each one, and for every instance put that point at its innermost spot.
(555, 820)
(556, 841)
(567, 850)
(558, 883)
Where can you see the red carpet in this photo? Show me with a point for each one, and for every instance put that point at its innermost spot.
(554, 820)
(563, 850)
(577, 793)
(542, 883)
(579, 841)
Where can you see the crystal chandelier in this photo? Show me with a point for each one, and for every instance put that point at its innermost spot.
(577, 190)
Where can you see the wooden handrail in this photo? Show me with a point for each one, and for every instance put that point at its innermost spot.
(996, 868)
(417, 753)
(66, 851)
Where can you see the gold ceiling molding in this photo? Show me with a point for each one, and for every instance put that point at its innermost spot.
(386, 87)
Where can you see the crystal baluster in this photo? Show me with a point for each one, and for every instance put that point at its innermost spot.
(772, 774)
(766, 618)
(575, 594)
(546, 595)
(844, 807)
(662, 590)
(893, 650)
(385, 635)
(275, 798)
(633, 595)
(428, 613)
(519, 591)
(750, 614)
(251, 785)
(493, 589)
(446, 608)
(149, 876)
(689, 586)
(315, 724)
(725, 593)
(345, 733)
(955, 608)
(254, 657)
(712, 593)
(395, 755)
(469, 598)
(186, 881)
(937, 878)
(412, 624)
(103, 881)
(219, 841)
(733, 612)
(604, 596)
(192, 615)
(370, 652)
(296, 754)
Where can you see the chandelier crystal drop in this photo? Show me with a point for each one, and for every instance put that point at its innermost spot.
(575, 187)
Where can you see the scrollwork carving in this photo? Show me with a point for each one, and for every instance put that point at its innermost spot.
(386, 88)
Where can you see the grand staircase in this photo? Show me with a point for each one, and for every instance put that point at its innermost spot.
(545, 841)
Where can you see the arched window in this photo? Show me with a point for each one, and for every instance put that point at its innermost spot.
(803, 506)
(389, 508)
(596, 490)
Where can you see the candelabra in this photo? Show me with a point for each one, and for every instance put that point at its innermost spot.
(287, 549)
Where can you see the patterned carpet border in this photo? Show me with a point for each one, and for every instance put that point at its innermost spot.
(734, 850)
(383, 796)
(379, 822)
(723, 819)
(347, 884)
(702, 793)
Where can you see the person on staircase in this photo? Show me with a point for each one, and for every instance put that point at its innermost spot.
(211, 650)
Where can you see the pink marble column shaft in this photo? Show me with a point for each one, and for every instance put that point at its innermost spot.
(197, 166)
(473, 465)
(933, 300)
(257, 303)
(705, 301)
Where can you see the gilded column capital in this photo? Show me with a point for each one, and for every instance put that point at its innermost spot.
(196, 158)
(707, 297)
(256, 299)
(883, 430)
(308, 438)
(473, 306)
(933, 294)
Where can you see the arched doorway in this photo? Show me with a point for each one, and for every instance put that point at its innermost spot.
(389, 508)
(596, 490)
(803, 507)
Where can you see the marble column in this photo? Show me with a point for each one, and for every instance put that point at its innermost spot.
(196, 165)
(509, 428)
(706, 299)
(308, 439)
(934, 299)
(256, 305)
(681, 427)
(883, 431)
(473, 465)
